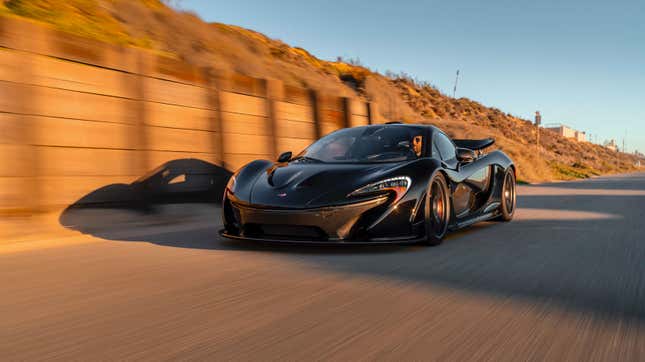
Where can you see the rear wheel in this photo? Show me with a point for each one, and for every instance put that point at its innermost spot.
(437, 210)
(509, 198)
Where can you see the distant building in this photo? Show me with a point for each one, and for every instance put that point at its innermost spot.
(611, 144)
(566, 131)
(581, 136)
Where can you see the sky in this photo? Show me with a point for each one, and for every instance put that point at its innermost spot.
(579, 62)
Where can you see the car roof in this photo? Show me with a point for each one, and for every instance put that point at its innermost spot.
(406, 125)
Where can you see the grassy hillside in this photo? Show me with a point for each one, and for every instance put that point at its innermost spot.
(152, 25)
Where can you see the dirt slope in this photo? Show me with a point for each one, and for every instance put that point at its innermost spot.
(152, 25)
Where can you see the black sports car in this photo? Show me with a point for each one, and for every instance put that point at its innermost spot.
(391, 183)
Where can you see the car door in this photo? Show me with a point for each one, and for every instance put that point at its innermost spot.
(445, 150)
(471, 193)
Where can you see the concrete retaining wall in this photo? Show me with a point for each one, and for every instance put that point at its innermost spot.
(76, 115)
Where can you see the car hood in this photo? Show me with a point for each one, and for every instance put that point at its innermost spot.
(308, 185)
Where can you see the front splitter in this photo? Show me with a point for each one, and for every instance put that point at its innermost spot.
(324, 242)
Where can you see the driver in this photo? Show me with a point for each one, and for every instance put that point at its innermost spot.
(338, 150)
(417, 142)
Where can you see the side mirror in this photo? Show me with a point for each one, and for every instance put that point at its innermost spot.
(465, 155)
(285, 157)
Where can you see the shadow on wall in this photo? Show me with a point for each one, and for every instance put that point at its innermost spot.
(178, 181)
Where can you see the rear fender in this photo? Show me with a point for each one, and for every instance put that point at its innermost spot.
(465, 171)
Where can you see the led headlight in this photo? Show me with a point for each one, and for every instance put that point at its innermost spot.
(399, 185)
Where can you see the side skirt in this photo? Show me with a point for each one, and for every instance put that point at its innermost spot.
(466, 223)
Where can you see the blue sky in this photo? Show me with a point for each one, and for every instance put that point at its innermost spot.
(581, 63)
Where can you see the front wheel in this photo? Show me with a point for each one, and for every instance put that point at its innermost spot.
(436, 210)
(509, 198)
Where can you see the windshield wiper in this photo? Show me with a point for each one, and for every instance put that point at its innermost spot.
(307, 159)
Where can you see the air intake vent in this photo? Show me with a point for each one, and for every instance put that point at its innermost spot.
(286, 232)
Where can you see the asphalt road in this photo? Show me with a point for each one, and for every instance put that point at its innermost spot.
(564, 280)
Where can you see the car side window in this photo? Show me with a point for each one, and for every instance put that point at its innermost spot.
(435, 151)
(445, 146)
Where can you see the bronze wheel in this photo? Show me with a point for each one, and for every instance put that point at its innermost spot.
(509, 197)
(437, 210)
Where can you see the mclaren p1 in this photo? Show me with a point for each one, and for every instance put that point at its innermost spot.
(387, 183)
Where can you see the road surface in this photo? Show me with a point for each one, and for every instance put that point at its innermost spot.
(564, 280)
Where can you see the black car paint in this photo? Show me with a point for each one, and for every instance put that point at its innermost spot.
(289, 194)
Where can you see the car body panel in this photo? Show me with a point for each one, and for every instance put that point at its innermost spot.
(310, 201)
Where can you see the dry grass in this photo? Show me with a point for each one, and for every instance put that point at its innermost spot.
(558, 157)
(83, 17)
(150, 24)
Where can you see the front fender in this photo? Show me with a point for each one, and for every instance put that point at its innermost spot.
(245, 177)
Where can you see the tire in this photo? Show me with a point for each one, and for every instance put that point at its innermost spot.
(508, 197)
(436, 210)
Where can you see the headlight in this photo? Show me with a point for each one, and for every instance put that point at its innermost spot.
(230, 186)
(399, 185)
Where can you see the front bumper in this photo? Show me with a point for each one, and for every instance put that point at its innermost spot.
(340, 224)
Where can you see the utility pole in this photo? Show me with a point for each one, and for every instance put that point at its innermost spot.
(454, 90)
(538, 121)
(616, 145)
(625, 136)
(624, 145)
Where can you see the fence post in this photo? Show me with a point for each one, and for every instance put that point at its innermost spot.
(372, 110)
(347, 112)
(20, 155)
(141, 137)
(316, 112)
(274, 92)
(215, 111)
(29, 195)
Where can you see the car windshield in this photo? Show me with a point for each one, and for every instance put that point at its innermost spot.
(366, 145)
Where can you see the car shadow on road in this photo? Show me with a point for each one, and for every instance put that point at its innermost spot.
(189, 225)
(578, 251)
